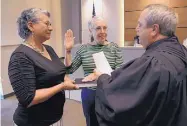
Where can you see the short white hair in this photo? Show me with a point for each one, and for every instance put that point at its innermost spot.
(91, 23)
(164, 16)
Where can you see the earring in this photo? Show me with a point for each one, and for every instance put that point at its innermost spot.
(32, 33)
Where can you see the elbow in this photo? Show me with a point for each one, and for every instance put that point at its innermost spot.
(26, 101)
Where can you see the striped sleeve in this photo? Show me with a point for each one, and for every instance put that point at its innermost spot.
(77, 61)
(22, 77)
(118, 56)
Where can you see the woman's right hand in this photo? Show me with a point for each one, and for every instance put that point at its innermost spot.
(69, 40)
(69, 85)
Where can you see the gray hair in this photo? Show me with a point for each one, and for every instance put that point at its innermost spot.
(164, 16)
(91, 24)
(26, 16)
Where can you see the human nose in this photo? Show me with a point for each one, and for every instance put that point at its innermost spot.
(102, 30)
(137, 28)
(50, 28)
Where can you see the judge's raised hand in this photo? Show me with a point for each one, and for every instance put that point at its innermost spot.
(90, 77)
(69, 40)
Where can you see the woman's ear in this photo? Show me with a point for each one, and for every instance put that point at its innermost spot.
(30, 26)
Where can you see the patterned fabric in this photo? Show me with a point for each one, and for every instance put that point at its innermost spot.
(29, 71)
(84, 57)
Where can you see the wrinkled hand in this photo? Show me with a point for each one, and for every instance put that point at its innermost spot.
(69, 40)
(90, 77)
(97, 73)
(69, 85)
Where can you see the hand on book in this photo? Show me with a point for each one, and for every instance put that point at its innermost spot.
(97, 73)
(90, 77)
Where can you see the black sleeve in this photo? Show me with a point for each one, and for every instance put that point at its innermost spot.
(22, 77)
(124, 99)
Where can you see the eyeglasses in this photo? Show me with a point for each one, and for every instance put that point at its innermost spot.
(99, 29)
(47, 23)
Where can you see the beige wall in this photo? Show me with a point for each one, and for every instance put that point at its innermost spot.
(10, 10)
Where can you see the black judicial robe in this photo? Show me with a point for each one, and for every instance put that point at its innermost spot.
(148, 91)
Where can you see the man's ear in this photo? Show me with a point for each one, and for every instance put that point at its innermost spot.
(30, 26)
(156, 29)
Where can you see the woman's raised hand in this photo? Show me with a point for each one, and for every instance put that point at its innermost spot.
(69, 40)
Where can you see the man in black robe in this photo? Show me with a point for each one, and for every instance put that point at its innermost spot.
(150, 90)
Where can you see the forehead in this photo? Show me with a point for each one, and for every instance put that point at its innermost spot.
(143, 16)
(100, 23)
(42, 17)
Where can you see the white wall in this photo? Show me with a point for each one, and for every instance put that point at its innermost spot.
(112, 11)
(10, 10)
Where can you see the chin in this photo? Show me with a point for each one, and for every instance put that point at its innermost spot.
(48, 37)
(101, 42)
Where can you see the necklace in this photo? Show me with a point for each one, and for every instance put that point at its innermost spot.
(34, 48)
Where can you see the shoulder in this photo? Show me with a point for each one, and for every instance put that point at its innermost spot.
(21, 53)
(20, 58)
(158, 64)
(113, 45)
(146, 63)
(82, 48)
(21, 48)
(143, 67)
